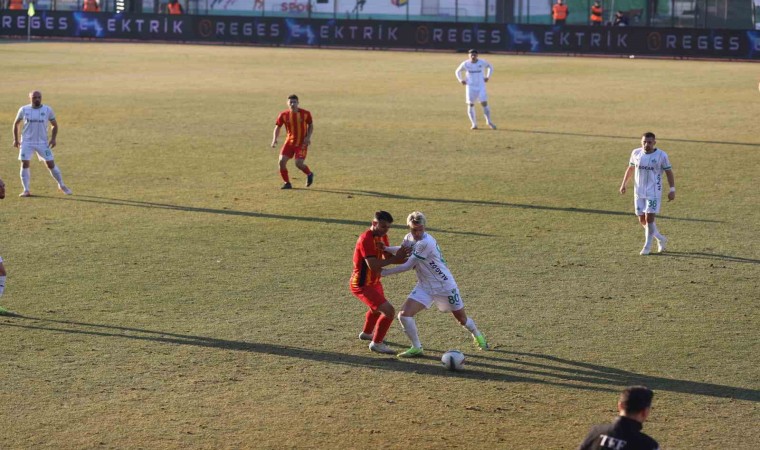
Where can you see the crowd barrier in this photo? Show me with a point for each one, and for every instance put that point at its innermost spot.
(640, 41)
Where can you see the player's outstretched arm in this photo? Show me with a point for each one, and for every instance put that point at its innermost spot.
(408, 265)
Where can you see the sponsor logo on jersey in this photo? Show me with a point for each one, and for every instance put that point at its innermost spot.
(438, 270)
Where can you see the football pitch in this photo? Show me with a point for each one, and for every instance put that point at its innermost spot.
(180, 299)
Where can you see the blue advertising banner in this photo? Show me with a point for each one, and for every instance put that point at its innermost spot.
(676, 42)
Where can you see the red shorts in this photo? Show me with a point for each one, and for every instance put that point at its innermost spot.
(294, 151)
(372, 295)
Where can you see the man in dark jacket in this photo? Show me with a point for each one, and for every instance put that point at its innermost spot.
(634, 405)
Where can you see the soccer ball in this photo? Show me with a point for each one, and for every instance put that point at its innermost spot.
(453, 360)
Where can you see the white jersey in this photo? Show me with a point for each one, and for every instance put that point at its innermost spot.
(475, 73)
(648, 174)
(35, 126)
(432, 273)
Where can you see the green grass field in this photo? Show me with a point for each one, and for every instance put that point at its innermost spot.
(180, 299)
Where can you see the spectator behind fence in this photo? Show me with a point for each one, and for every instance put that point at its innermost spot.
(621, 20)
(596, 14)
(91, 6)
(560, 12)
(173, 7)
(16, 4)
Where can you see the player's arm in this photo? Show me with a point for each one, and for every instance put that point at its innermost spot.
(376, 265)
(627, 175)
(16, 142)
(489, 72)
(458, 74)
(54, 132)
(672, 183)
(408, 265)
(309, 130)
(275, 134)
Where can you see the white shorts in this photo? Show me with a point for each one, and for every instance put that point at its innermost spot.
(43, 152)
(475, 93)
(450, 301)
(646, 206)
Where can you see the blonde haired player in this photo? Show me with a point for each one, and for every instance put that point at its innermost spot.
(476, 72)
(648, 162)
(435, 284)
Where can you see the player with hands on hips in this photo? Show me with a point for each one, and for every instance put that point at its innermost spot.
(476, 72)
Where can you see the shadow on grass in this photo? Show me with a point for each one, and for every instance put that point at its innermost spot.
(634, 139)
(260, 215)
(504, 204)
(701, 255)
(602, 375)
(512, 367)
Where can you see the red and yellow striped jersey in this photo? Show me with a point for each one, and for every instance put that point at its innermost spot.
(296, 123)
(367, 245)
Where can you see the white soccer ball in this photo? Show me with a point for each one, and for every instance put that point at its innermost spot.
(453, 360)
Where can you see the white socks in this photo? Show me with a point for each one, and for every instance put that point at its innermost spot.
(56, 173)
(487, 113)
(470, 325)
(2, 285)
(25, 178)
(650, 231)
(653, 231)
(410, 329)
(471, 115)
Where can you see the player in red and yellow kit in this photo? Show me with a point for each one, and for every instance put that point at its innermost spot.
(369, 258)
(299, 126)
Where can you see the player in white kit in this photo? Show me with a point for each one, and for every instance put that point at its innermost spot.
(476, 72)
(648, 163)
(34, 139)
(435, 284)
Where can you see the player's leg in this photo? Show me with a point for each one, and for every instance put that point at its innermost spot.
(3, 311)
(640, 204)
(25, 155)
(486, 109)
(283, 161)
(652, 225)
(55, 172)
(383, 312)
(469, 325)
(300, 157)
(455, 303)
(370, 320)
(468, 98)
(406, 318)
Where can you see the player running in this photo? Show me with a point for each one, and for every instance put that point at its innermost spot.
(435, 284)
